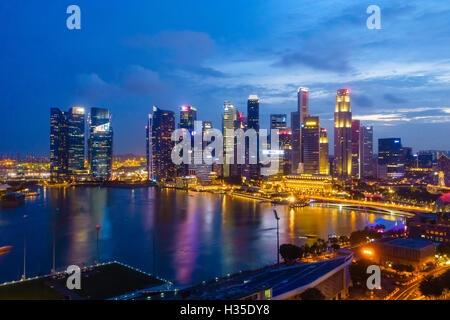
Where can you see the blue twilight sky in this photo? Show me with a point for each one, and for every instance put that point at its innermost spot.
(130, 55)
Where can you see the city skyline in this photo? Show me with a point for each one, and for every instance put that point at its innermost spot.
(143, 64)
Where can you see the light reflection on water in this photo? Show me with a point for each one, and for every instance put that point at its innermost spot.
(198, 235)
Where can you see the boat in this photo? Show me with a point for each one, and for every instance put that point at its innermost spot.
(299, 204)
(11, 199)
(311, 236)
(5, 250)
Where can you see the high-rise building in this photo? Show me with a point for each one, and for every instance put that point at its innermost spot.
(161, 124)
(59, 155)
(67, 143)
(100, 144)
(311, 145)
(343, 135)
(296, 138)
(356, 148)
(188, 115)
(324, 158)
(390, 154)
(76, 140)
(367, 167)
(230, 116)
(252, 171)
(279, 122)
(297, 119)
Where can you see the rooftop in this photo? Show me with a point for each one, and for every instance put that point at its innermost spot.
(406, 242)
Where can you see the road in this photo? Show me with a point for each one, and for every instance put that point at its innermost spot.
(406, 292)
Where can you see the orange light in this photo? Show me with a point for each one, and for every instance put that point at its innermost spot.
(368, 252)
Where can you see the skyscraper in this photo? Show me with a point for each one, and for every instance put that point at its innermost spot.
(356, 148)
(367, 168)
(67, 143)
(311, 145)
(161, 124)
(390, 154)
(343, 135)
(188, 115)
(297, 119)
(252, 170)
(324, 159)
(279, 122)
(59, 155)
(100, 144)
(76, 139)
(230, 116)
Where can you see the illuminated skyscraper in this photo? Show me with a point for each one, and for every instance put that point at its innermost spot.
(100, 144)
(188, 115)
(252, 170)
(230, 116)
(67, 143)
(76, 140)
(356, 148)
(324, 159)
(343, 135)
(311, 145)
(161, 124)
(297, 119)
(59, 155)
(279, 122)
(367, 167)
(391, 155)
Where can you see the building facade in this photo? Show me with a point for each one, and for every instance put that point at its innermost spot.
(324, 157)
(161, 124)
(311, 145)
(100, 144)
(343, 135)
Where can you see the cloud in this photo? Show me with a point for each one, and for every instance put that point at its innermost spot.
(93, 87)
(362, 101)
(179, 47)
(392, 98)
(141, 81)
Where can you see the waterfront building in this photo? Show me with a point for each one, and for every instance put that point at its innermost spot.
(311, 145)
(100, 144)
(161, 124)
(59, 155)
(297, 119)
(251, 168)
(279, 122)
(356, 148)
(391, 155)
(76, 140)
(324, 157)
(391, 251)
(367, 159)
(296, 137)
(343, 135)
(230, 116)
(302, 183)
(67, 143)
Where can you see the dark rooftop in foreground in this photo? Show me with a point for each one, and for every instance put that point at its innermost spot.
(281, 280)
(98, 282)
(406, 242)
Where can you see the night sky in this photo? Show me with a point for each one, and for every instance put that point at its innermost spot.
(130, 55)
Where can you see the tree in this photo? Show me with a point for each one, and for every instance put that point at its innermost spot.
(444, 249)
(312, 294)
(431, 287)
(335, 246)
(403, 268)
(358, 271)
(290, 252)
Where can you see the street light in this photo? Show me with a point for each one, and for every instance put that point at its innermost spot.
(278, 236)
(98, 230)
(24, 276)
(54, 243)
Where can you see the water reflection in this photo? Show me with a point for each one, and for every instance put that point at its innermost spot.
(198, 235)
